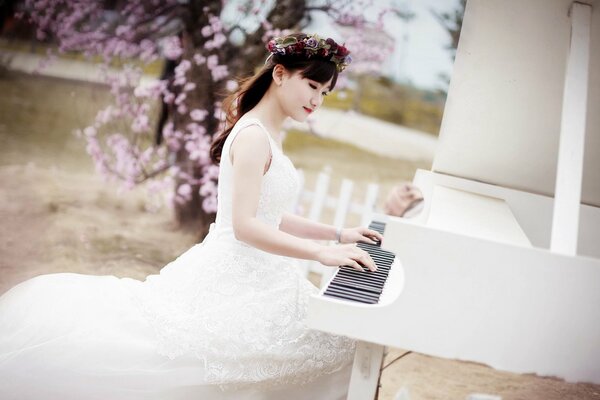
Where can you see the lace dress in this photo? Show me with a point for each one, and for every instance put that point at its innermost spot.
(222, 321)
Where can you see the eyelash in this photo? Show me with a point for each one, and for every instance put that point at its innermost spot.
(314, 87)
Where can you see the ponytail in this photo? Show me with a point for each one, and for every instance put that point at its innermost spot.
(239, 103)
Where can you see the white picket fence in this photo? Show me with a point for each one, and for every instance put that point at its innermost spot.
(320, 199)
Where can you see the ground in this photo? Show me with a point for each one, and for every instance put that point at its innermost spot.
(58, 216)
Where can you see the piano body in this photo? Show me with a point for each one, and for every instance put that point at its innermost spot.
(502, 266)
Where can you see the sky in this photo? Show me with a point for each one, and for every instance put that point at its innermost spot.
(420, 54)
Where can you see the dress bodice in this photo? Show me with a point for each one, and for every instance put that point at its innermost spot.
(279, 187)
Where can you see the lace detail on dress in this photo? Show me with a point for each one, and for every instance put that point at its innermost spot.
(279, 187)
(239, 309)
(242, 315)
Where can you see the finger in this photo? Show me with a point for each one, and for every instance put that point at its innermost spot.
(368, 261)
(352, 263)
(378, 236)
(371, 234)
(367, 239)
(365, 260)
(366, 236)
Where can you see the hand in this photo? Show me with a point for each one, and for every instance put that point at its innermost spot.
(346, 254)
(360, 234)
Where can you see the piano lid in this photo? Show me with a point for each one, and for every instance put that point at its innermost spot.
(502, 118)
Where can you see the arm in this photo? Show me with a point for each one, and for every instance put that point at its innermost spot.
(305, 228)
(250, 151)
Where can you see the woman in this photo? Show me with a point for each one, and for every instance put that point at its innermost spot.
(225, 319)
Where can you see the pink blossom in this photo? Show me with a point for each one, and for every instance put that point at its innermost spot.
(219, 72)
(189, 86)
(135, 30)
(209, 205)
(206, 31)
(141, 91)
(90, 131)
(184, 190)
(140, 123)
(216, 23)
(212, 61)
(180, 98)
(198, 115)
(195, 129)
(171, 48)
(231, 85)
(199, 59)
(168, 97)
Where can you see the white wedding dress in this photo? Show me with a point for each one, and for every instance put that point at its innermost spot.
(222, 321)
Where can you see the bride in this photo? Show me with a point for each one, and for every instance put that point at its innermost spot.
(225, 320)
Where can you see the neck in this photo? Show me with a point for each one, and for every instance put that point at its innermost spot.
(270, 113)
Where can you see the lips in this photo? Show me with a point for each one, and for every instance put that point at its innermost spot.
(308, 110)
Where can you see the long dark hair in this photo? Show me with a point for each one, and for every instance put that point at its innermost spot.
(252, 90)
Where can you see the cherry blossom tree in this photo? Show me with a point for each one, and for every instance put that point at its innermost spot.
(206, 45)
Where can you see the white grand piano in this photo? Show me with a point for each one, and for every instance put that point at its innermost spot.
(502, 266)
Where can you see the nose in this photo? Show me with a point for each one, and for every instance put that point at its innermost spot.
(316, 100)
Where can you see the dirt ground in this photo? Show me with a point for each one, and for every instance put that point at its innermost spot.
(58, 216)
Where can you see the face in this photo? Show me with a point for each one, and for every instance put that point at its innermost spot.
(299, 96)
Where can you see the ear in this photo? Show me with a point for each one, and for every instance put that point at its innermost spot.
(279, 73)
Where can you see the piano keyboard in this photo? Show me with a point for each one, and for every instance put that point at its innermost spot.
(363, 287)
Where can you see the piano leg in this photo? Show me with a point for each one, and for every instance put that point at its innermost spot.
(365, 371)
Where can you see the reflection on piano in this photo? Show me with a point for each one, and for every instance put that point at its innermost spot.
(502, 266)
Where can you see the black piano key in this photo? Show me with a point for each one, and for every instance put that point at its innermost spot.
(375, 249)
(346, 287)
(377, 225)
(353, 293)
(370, 274)
(384, 261)
(355, 285)
(376, 280)
(377, 228)
(366, 297)
(350, 297)
(364, 287)
(380, 256)
(373, 285)
(365, 280)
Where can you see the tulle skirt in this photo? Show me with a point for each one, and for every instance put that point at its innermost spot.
(222, 321)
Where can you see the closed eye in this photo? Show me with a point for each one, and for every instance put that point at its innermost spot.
(314, 87)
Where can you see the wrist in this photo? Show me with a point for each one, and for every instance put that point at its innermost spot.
(338, 234)
(314, 251)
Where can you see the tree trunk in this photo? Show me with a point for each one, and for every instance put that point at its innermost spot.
(190, 216)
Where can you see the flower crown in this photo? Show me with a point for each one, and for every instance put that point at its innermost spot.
(309, 47)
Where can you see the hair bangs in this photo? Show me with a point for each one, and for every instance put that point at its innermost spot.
(321, 71)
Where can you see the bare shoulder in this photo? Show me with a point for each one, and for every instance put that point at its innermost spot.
(250, 142)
